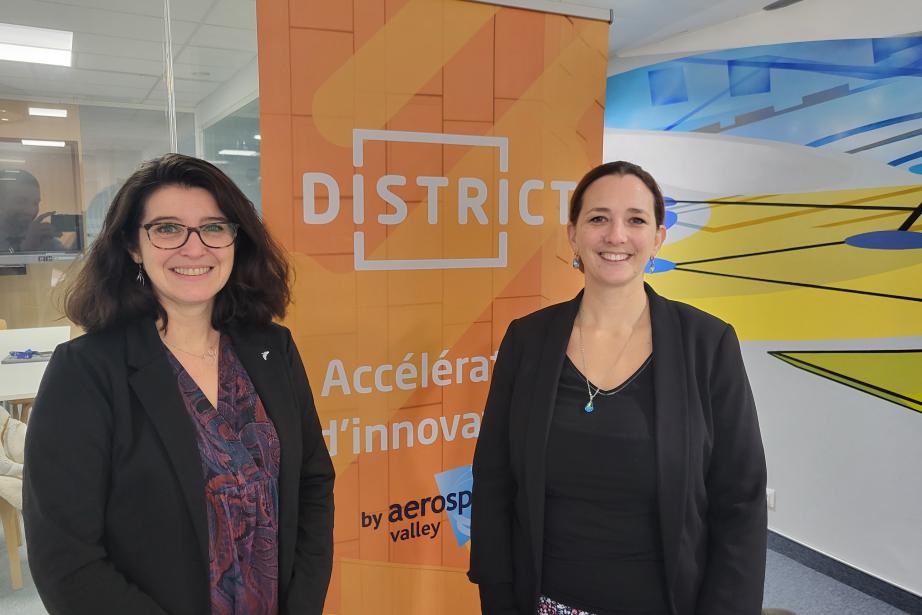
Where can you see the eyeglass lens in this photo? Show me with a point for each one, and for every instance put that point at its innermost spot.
(213, 235)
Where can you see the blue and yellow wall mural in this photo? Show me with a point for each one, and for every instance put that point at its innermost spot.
(807, 225)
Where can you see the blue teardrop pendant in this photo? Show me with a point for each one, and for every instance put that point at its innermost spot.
(588, 407)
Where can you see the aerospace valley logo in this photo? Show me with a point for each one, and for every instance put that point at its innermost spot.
(422, 518)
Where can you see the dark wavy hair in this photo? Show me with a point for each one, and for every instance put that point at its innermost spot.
(619, 168)
(105, 293)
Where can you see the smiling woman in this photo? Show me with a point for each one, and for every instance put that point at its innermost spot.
(183, 397)
(642, 488)
(251, 281)
(616, 229)
(187, 264)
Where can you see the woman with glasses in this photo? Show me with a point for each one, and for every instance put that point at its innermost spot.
(174, 458)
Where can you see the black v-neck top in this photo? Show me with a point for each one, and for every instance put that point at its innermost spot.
(602, 545)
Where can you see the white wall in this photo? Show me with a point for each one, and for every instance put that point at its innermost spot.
(845, 466)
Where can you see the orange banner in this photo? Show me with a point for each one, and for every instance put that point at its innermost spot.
(417, 159)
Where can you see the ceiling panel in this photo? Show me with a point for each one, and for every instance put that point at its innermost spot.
(181, 31)
(206, 56)
(224, 38)
(95, 61)
(119, 47)
(82, 19)
(185, 87)
(195, 86)
(15, 70)
(66, 77)
(64, 80)
(232, 14)
(188, 93)
(191, 10)
(11, 87)
(185, 101)
(199, 72)
(87, 91)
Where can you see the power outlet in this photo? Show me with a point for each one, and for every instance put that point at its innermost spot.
(770, 498)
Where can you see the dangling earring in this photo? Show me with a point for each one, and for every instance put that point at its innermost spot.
(140, 277)
(576, 262)
(651, 265)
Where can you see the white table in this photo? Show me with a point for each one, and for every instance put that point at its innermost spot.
(21, 380)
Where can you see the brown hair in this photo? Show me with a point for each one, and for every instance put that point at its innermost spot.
(619, 168)
(106, 292)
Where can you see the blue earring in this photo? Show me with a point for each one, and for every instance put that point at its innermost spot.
(576, 262)
(651, 265)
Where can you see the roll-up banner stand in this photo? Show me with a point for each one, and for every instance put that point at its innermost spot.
(417, 160)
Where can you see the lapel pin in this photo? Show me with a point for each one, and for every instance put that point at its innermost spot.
(265, 355)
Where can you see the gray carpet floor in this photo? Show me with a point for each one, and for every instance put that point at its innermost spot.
(795, 587)
(788, 585)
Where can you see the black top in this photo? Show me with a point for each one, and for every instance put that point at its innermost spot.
(125, 530)
(602, 546)
(710, 466)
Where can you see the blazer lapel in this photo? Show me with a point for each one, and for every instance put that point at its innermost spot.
(540, 411)
(266, 364)
(671, 427)
(155, 385)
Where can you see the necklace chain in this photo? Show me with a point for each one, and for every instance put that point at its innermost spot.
(588, 408)
(210, 355)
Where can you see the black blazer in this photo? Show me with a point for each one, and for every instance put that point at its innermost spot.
(710, 463)
(114, 494)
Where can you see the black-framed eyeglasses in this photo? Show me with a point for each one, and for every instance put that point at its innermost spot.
(173, 235)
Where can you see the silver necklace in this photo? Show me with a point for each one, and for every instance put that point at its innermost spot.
(589, 408)
(209, 356)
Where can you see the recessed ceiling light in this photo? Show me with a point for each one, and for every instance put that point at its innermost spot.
(217, 162)
(46, 112)
(238, 152)
(43, 143)
(37, 45)
(4, 119)
(12, 161)
(258, 137)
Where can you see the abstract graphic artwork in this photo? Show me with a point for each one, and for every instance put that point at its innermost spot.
(853, 96)
(840, 256)
(891, 375)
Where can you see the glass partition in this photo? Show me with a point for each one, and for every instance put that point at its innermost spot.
(232, 143)
(83, 101)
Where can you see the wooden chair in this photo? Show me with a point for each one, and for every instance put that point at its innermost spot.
(19, 409)
(12, 436)
(12, 534)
